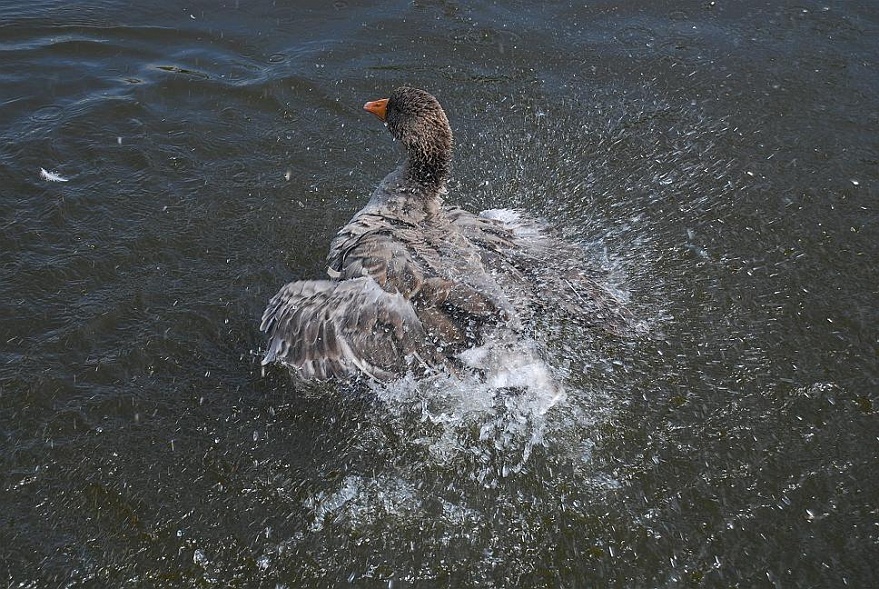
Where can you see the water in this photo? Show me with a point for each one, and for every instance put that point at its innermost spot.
(720, 158)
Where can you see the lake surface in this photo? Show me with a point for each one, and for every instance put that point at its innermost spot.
(721, 158)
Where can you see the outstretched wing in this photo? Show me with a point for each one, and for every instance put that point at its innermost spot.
(322, 329)
(524, 253)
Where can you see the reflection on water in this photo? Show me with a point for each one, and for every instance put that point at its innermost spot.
(718, 159)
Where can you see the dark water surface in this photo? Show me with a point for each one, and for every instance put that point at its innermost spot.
(722, 157)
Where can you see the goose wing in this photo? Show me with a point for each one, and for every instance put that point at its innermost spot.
(322, 329)
(526, 255)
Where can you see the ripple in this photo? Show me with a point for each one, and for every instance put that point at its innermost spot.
(677, 45)
(635, 36)
(47, 113)
(684, 28)
(240, 174)
(183, 71)
(486, 37)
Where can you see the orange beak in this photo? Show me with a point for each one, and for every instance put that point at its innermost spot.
(378, 107)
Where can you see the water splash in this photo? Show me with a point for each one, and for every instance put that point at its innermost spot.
(494, 466)
(484, 432)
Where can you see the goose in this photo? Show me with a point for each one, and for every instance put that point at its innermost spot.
(415, 285)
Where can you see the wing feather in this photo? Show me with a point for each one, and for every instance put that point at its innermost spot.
(527, 257)
(322, 329)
